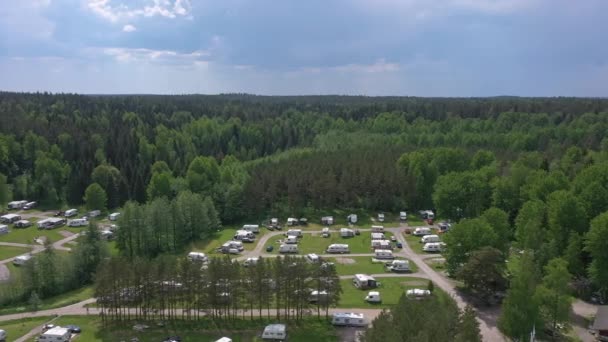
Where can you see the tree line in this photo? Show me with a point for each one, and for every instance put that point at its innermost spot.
(177, 288)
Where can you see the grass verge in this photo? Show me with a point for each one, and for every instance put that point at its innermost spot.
(390, 290)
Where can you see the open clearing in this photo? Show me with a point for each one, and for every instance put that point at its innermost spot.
(364, 265)
(314, 243)
(7, 252)
(390, 290)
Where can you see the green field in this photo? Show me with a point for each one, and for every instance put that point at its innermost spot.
(10, 251)
(363, 265)
(17, 328)
(27, 235)
(314, 243)
(210, 245)
(205, 330)
(390, 290)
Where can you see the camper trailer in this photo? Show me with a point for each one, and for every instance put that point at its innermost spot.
(378, 236)
(312, 258)
(291, 239)
(254, 228)
(382, 244)
(338, 248)
(383, 254)
(422, 231)
(403, 216)
(4, 229)
(348, 319)
(316, 296)
(232, 247)
(197, 256)
(294, 232)
(275, 332)
(94, 213)
(352, 218)
(373, 297)
(29, 205)
(347, 232)
(287, 248)
(364, 281)
(327, 220)
(398, 266)
(224, 339)
(417, 293)
(9, 218)
(78, 222)
(381, 217)
(22, 224)
(251, 261)
(244, 235)
(70, 212)
(427, 214)
(444, 226)
(292, 221)
(56, 334)
(429, 238)
(325, 232)
(113, 216)
(432, 247)
(16, 204)
(50, 223)
(377, 229)
(22, 259)
(107, 235)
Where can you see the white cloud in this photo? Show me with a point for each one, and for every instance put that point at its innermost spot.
(129, 28)
(195, 58)
(116, 12)
(379, 66)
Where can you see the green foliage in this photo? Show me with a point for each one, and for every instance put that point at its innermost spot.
(34, 301)
(95, 197)
(484, 273)
(552, 294)
(529, 225)
(462, 194)
(464, 238)
(4, 191)
(203, 173)
(565, 215)
(596, 243)
(499, 221)
(468, 327)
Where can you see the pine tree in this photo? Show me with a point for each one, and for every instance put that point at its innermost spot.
(468, 327)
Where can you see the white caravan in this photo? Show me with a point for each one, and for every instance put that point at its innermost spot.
(16, 204)
(327, 220)
(22, 259)
(378, 236)
(432, 247)
(347, 232)
(312, 258)
(70, 212)
(294, 232)
(56, 334)
(373, 297)
(430, 238)
(377, 229)
(81, 222)
(403, 216)
(4, 229)
(398, 266)
(254, 228)
(197, 256)
(251, 261)
(381, 244)
(285, 248)
(380, 217)
(291, 239)
(422, 231)
(10, 218)
(338, 248)
(325, 232)
(113, 216)
(224, 339)
(275, 332)
(417, 293)
(364, 281)
(383, 254)
(349, 319)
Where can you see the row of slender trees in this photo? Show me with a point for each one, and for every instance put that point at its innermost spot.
(178, 288)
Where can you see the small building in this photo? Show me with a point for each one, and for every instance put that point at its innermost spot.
(348, 319)
(4, 229)
(56, 334)
(113, 216)
(16, 204)
(403, 216)
(10, 218)
(600, 324)
(275, 332)
(364, 281)
(327, 220)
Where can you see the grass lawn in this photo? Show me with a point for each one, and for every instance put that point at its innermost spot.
(363, 265)
(314, 243)
(114, 252)
(10, 251)
(390, 290)
(27, 235)
(437, 265)
(17, 328)
(205, 330)
(210, 245)
(64, 299)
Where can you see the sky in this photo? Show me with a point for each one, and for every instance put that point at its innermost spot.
(306, 47)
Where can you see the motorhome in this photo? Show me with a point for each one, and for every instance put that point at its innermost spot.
(364, 281)
(398, 266)
(198, 256)
(4, 229)
(429, 238)
(352, 218)
(378, 236)
(422, 231)
(22, 224)
(312, 258)
(381, 217)
(287, 248)
(373, 297)
(338, 248)
(403, 216)
(236, 245)
(70, 212)
(251, 261)
(291, 239)
(275, 332)
(254, 228)
(244, 235)
(16, 204)
(327, 220)
(383, 254)
(94, 213)
(347, 232)
(417, 293)
(51, 222)
(78, 222)
(377, 229)
(348, 319)
(113, 216)
(294, 232)
(381, 244)
(10, 218)
(432, 247)
(22, 259)
(56, 334)
(292, 221)
(325, 232)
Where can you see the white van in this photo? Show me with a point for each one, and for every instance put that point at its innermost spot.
(430, 238)
(377, 229)
(113, 216)
(422, 231)
(373, 297)
(398, 266)
(432, 247)
(338, 248)
(294, 232)
(254, 228)
(197, 256)
(70, 212)
(285, 248)
(81, 222)
(403, 216)
(325, 232)
(383, 254)
(291, 239)
(349, 319)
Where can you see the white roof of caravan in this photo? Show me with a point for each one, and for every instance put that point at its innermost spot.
(24, 257)
(292, 219)
(115, 214)
(224, 339)
(17, 202)
(429, 244)
(404, 262)
(196, 253)
(339, 245)
(2, 226)
(384, 251)
(346, 230)
(348, 315)
(364, 277)
(275, 328)
(10, 216)
(373, 293)
(242, 232)
(56, 331)
(23, 221)
(377, 235)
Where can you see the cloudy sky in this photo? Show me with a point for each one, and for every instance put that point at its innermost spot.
(370, 47)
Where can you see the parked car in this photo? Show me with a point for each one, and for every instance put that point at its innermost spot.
(74, 329)
(399, 244)
(393, 238)
(269, 248)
